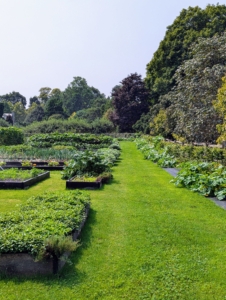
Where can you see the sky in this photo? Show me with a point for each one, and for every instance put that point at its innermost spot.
(45, 43)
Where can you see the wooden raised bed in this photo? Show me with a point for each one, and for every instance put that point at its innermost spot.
(35, 164)
(23, 184)
(71, 184)
(23, 264)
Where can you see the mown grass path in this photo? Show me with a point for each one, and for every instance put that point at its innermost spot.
(144, 239)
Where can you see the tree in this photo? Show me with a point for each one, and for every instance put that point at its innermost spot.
(78, 95)
(44, 94)
(197, 83)
(35, 114)
(191, 24)
(8, 107)
(34, 100)
(159, 125)
(220, 106)
(143, 124)
(130, 101)
(20, 113)
(54, 104)
(1, 109)
(98, 107)
(14, 98)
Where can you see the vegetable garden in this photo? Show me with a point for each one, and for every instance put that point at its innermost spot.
(52, 216)
(144, 238)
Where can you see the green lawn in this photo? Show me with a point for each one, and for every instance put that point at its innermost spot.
(144, 239)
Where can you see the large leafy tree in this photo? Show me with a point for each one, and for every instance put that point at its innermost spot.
(96, 111)
(54, 104)
(130, 101)
(44, 94)
(20, 113)
(35, 114)
(79, 95)
(191, 24)
(14, 98)
(197, 83)
(1, 109)
(34, 100)
(220, 106)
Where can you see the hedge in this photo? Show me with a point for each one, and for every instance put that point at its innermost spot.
(11, 136)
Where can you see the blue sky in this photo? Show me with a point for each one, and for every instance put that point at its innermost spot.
(45, 43)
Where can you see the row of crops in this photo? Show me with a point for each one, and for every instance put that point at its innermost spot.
(56, 146)
(204, 173)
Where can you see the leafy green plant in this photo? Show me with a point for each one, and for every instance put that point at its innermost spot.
(209, 179)
(106, 177)
(84, 179)
(56, 246)
(156, 152)
(87, 162)
(53, 163)
(43, 216)
(19, 175)
(26, 163)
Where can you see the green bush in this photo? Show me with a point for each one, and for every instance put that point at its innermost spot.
(209, 179)
(101, 126)
(198, 153)
(3, 123)
(61, 126)
(11, 136)
(156, 152)
(90, 163)
(69, 139)
(56, 117)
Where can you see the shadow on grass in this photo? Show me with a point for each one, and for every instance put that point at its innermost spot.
(117, 162)
(69, 274)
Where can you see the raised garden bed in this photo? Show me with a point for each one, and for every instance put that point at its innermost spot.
(23, 184)
(35, 164)
(23, 264)
(73, 184)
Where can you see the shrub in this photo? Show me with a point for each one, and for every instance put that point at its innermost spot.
(3, 123)
(11, 136)
(56, 117)
(69, 139)
(61, 126)
(101, 126)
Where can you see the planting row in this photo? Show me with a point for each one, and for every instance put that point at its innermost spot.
(59, 152)
(69, 139)
(207, 178)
